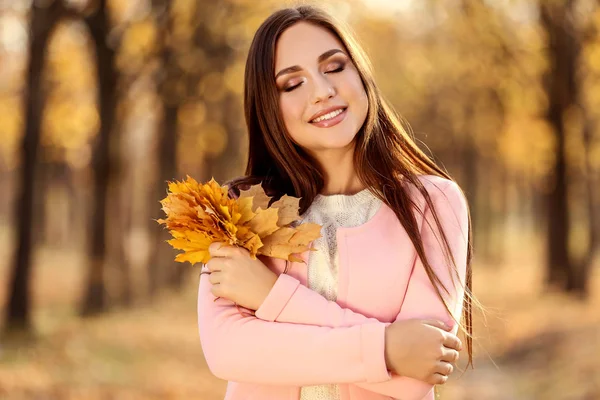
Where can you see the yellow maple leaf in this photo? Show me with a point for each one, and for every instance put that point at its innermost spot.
(245, 210)
(264, 222)
(286, 241)
(258, 195)
(200, 214)
(194, 244)
(288, 209)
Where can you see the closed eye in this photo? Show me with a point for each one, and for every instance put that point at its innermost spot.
(289, 89)
(340, 69)
(333, 71)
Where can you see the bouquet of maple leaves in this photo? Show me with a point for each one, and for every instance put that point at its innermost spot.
(200, 214)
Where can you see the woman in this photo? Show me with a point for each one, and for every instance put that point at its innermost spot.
(373, 312)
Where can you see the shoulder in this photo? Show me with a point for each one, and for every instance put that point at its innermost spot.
(444, 193)
(437, 186)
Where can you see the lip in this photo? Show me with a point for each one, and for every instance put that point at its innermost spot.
(328, 123)
(326, 111)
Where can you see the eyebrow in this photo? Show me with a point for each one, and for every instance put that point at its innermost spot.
(320, 59)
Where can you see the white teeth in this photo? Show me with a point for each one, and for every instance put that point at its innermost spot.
(328, 116)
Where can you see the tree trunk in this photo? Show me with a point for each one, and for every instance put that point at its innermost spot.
(588, 36)
(38, 237)
(161, 261)
(580, 283)
(559, 262)
(95, 296)
(561, 87)
(43, 21)
(229, 163)
(6, 189)
(119, 213)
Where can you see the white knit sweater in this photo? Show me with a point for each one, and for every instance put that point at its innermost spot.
(332, 212)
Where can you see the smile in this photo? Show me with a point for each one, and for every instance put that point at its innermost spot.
(330, 119)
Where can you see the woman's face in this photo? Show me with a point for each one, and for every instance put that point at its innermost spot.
(321, 95)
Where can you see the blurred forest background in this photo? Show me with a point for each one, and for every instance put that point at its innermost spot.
(103, 101)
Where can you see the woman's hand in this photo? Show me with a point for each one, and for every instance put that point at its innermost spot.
(421, 349)
(234, 275)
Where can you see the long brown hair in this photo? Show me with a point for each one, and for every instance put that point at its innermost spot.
(386, 157)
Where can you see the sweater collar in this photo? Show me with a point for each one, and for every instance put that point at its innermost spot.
(343, 201)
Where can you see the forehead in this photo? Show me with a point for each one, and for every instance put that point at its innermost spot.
(302, 43)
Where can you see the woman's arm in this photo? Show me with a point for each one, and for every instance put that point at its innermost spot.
(247, 349)
(421, 300)
(289, 301)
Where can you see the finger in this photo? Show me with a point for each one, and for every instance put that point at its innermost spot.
(214, 264)
(452, 342)
(444, 368)
(437, 379)
(204, 270)
(450, 355)
(215, 277)
(218, 249)
(216, 290)
(436, 323)
(222, 249)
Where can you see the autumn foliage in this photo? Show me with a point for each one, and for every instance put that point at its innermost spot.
(200, 214)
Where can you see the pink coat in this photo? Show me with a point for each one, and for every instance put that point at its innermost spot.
(298, 338)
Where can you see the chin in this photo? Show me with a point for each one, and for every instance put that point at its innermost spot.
(336, 142)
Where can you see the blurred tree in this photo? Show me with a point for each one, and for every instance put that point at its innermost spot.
(592, 182)
(558, 20)
(132, 35)
(70, 121)
(44, 19)
(466, 74)
(103, 160)
(200, 82)
(162, 256)
(587, 72)
(207, 90)
(447, 76)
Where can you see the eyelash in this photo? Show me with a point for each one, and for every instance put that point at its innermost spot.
(334, 71)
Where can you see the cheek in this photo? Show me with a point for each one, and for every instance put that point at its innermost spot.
(358, 90)
(291, 109)
(292, 112)
(360, 100)
(364, 102)
(285, 107)
(353, 90)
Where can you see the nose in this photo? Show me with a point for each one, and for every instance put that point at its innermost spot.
(323, 89)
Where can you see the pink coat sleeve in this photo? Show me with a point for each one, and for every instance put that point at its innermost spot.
(247, 349)
(289, 301)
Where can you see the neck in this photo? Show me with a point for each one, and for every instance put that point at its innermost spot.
(339, 173)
